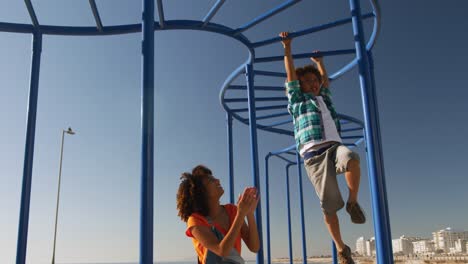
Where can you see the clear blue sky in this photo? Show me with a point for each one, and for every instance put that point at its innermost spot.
(93, 85)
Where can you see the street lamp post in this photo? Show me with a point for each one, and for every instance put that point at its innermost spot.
(70, 132)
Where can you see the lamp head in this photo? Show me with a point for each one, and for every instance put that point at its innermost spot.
(70, 131)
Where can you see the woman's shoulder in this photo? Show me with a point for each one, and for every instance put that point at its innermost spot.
(195, 220)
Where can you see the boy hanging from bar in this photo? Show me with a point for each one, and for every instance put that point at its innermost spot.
(317, 135)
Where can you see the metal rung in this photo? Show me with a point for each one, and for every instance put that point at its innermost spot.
(97, 18)
(280, 123)
(261, 108)
(351, 129)
(307, 55)
(269, 73)
(258, 99)
(309, 30)
(212, 12)
(161, 14)
(352, 137)
(259, 88)
(32, 14)
(272, 115)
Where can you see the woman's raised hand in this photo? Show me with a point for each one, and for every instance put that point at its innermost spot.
(248, 201)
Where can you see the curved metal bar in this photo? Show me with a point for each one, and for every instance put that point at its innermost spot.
(309, 31)
(179, 24)
(260, 108)
(370, 43)
(377, 22)
(123, 29)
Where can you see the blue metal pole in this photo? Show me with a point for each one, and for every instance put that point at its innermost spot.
(147, 132)
(374, 147)
(267, 198)
(289, 215)
(212, 12)
(230, 158)
(29, 150)
(254, 150)
(301, 199)
(334, 253)
(380, 182)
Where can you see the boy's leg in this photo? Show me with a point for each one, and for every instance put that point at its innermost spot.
(353, 178)
(322, 173)
(333, 225)
(321, 170)
(347, 162)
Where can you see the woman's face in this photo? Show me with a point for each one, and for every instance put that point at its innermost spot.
(213, 187)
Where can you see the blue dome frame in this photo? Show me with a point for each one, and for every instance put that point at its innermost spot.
(363, 60)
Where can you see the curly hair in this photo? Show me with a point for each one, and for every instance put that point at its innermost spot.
(301, 71)
(191, 196)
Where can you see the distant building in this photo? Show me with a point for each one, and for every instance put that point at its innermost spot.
(361, 246)
(445, 239)
(403, 245)
(423, 247)
(365, 247)
(370, 247)
(460, 246)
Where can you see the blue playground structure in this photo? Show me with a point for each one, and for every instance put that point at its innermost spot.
(271, 114)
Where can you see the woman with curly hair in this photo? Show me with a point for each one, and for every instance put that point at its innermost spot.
(216, 230)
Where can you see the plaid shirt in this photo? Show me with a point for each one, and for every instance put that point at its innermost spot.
(307, 118)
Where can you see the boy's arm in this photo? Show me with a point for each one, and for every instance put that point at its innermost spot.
(323, 71)
(293, 90)
(288, 59)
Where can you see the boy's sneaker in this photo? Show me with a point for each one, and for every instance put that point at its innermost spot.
(344, 257)
(356, 213)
